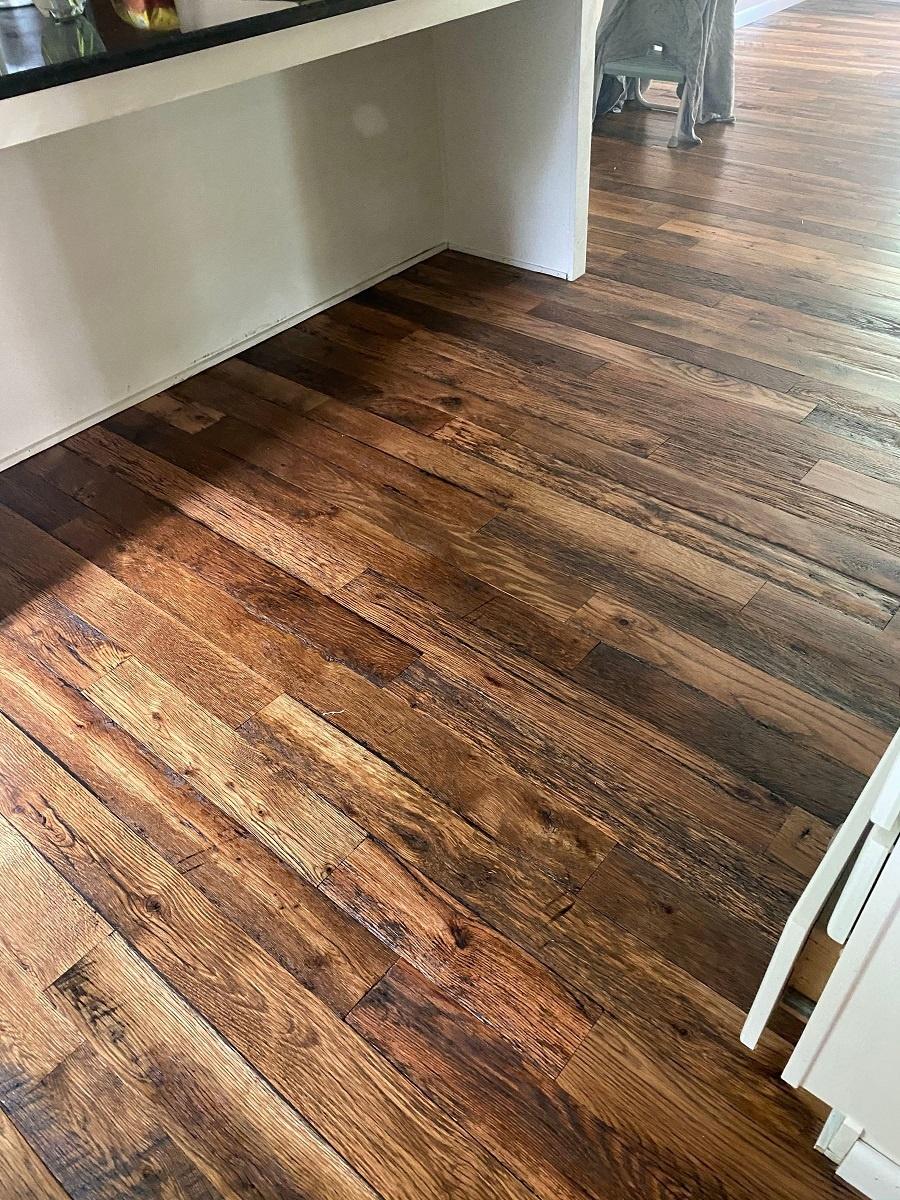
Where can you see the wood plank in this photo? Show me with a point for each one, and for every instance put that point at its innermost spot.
(331, 955)
(615, 1078)
(161, 807)
(857, 488)
(70, 645)
(525, 1120)
(347, 538)
(801, 842)
(98, 1140)
(481, 788)
(45, 926)
(463, 956)
(740, 532)
(774, 703)
(622, 540)
(578, 603)
(728, 955)
(265, 590)
(315, 1061)
(262, 641)
(287, 546)
(688, 1032)
(553, 643)
(21, 1167)
(186, 416)
(188, 660)
(205, 1096)
(552, 703)
(750, 747)
(320, 462)
(452, 851)
(292, 820)
(34, 1036)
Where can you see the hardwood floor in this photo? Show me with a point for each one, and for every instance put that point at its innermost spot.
(416, 730)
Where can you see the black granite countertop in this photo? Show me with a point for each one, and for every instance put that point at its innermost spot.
(38, 52)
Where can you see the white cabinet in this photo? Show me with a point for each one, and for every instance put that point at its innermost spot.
(849, 1053)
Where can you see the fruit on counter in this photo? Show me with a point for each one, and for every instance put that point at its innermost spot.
(148, 14)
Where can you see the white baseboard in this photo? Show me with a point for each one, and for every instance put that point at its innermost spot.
(210, 360)
(509, 262)
(764, 8)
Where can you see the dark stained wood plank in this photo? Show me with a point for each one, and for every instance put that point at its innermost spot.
(290, 547)
(366, 1111)
(774, 703)
(43, 507)
(313, 458)
(623, 541)
(799, 551)
(345, 532)
(65, 640)
(98, 1140)
(184, 415)
(513, 405)
(634, 813)
(393, 400)
(481, 788)
(189, 660)
(613, 1077)
(801, 842)
(851, 652)
(791, 651)
(264, 385)
(557, 706)
(205, 1096)
(576, 604)
(495, 881)
(469, 962)
(726, 954)
(751, 747)
(553, 643)
(21, 1168)
(158, 805)
(527, 1121)
(332, 956)
(265, 590)
(263, 641)
(688, 1032)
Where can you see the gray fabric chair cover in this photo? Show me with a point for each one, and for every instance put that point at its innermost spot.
(698, 35)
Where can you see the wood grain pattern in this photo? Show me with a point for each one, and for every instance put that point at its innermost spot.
(45, 926)
(213, 1105)
(21, 1168)
(313, 1059)
(415, 731)
(34, 1037)
(475, 967)
(90, 1128)
(282, 811)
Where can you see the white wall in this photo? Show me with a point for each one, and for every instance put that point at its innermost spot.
(137, 249)
(207, 205)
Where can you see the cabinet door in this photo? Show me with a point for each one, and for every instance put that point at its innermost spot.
(849, 1053)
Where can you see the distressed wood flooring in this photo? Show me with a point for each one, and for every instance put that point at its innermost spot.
(416, 730)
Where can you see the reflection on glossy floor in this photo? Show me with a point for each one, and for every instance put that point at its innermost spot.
(417, 730)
